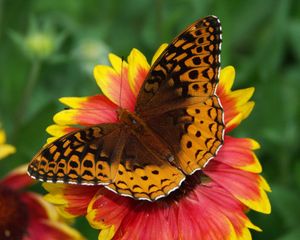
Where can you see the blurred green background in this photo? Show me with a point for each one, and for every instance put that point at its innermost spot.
(48, 50)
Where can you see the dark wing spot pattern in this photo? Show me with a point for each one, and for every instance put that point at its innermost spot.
(81, 157)
(189, 67)
(178, 98)
(144, 175)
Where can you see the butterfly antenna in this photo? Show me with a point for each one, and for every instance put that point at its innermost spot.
(121, 83)
(91, 109)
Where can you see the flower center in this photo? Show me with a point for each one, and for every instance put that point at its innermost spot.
(13, 215)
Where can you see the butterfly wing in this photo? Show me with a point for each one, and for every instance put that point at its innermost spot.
(195, 133)
(178, 100)
(88, 156)
(143, 174)
(106, 154)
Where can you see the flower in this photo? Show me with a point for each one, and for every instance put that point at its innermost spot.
(88, 51)
(26, 215)
(41, 41)
(211, 204)
(5, 149)
(41, 45)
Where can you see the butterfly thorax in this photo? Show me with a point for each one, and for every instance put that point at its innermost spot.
(129, 119)
(147, 136)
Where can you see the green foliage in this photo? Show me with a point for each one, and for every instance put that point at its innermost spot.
(40, 42)
(261, 39)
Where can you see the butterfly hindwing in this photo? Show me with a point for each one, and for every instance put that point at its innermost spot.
(143, 174)
(194, 133)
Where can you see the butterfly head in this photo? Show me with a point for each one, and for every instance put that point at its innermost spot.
(127, 117)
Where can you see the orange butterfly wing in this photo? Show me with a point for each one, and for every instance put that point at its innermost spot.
(88, 156)
(106, 154)
(143, 174)
(178, 100)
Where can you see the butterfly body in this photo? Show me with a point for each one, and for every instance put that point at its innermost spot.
(146, 136)
(176, 128)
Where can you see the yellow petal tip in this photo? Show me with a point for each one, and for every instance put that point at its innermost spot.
(254, 144)
(159, 51)
(227, 77)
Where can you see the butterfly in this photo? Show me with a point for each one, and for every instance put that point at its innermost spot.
(177, 126)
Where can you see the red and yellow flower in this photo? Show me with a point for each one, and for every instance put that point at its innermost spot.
(210, 204)
(26, 215)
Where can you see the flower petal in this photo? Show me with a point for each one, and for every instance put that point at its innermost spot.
(6, 150)
(107, 233)
(71, 200)
(265, 185)
(208, 212)
(39, 208)
(201, 217)
(97, 102)
(107, 209)
(246, 186)
(148, 221)
(236, 104)
(227, 76)
(49, 230)
(18, 178)
(2, 136)
(44, 221)
(224, 202)
(117, 63)
(237, 153)
(137, 70)
(158, 52)
(87, 111)
(237, 107)
(59, 130)
(115, 85)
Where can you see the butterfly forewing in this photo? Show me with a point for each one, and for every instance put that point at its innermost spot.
(87, 156)
(188, 68)
(178, 100)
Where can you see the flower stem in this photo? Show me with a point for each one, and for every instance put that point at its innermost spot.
(27, 93)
